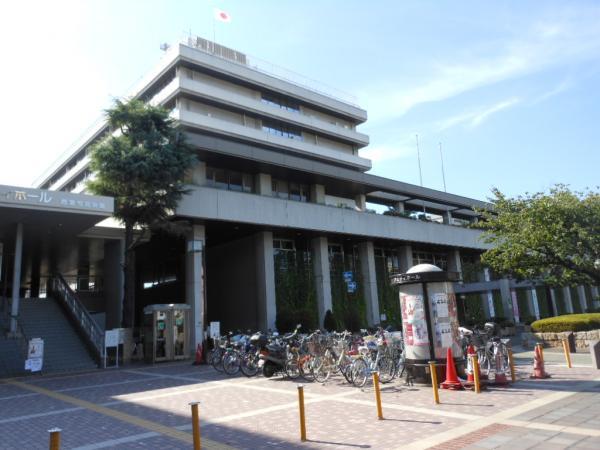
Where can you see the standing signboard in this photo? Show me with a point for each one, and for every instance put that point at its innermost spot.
(35, 355)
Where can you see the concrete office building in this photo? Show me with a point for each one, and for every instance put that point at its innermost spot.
(282, 212)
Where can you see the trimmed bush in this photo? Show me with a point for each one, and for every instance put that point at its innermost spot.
(569, 322)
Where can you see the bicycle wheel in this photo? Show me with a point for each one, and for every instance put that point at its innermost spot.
(215, 359)
(386, 368)
(231, 362)
(323, 371)
(291, 368)
(306, 367)
(345, 368)
(249, 365)
(360, 372)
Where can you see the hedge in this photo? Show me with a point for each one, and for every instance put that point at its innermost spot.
(569, 322)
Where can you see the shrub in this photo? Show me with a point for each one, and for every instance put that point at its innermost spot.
(569, 322)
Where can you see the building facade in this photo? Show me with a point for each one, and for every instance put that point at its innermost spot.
(285, 222)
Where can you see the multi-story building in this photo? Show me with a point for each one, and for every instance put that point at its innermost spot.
(285, 221)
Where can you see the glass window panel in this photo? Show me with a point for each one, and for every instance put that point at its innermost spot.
(248, 183)
(235, 181)
(295, 193)
(221, 180)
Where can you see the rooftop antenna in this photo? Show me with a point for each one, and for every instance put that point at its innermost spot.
(419, 160)
(443, 174)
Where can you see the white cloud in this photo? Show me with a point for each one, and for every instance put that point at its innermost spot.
(377, 153)
(558, 89)
(476, 117)
(573, 37)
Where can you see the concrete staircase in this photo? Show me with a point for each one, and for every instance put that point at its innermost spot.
(64, 349)
(12, 358)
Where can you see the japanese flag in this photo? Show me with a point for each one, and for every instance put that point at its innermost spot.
(222, 16)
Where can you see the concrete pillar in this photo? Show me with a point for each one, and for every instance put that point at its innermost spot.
(489, 296)
(568, 299)
(553, 300)
(405, 258)
(317, 193)
(199, 173)
(366, 253)
(454, 262)
(361, 202)
(265, 281)
(515, 305)
(114, 254)
(447, 217)
(582, 298)
(534, 306)
(195, 283)
(399, 206)
(16, 284)
(264, 184)
(320, 257)
(595, 297)
(507, 301)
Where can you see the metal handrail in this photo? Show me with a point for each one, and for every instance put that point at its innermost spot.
(20, 335)
(89, 327)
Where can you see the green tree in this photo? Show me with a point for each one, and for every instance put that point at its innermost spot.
(142, 164)
(553, 237)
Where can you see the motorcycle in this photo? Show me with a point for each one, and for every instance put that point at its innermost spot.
(274, 354)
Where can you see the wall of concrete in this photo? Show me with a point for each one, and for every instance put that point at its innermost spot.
(209, 203)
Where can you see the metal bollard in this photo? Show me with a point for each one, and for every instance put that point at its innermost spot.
(476, 374)
(511, 361)
(195, 425)
(434, 382)
(302, 416)
(567, 352)
(54, 438)
(377, 395)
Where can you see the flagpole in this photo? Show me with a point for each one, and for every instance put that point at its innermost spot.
(443, 174)
(419, 160)
(214, 34)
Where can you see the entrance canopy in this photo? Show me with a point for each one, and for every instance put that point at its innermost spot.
(49, 214)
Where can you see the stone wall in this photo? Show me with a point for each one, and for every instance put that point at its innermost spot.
(582, 338)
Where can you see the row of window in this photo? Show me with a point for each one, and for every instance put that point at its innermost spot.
(280, 129)
(280, 102)
(437, 259)
(290, 191)
(229, 179)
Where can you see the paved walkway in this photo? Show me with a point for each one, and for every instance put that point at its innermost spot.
(147, 407)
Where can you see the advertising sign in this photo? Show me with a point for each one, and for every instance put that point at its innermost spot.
(215, 330)
(414, 324)
(35, 355)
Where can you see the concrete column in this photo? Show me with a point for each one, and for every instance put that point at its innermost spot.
(405, 258)
(595, 297)
(264, 184)
(488, 296)
(399, 206)
(199, 173)
(553, 300)
(320, 255)
(195, 283)
(454, 262)
(534, 306)
(265, 281)
(317, 193)
(515, 306)
(447, 217)
(582, 297)
(506, 298)
(568, 299)
(16, 284)
(366, 253)
(114, 260)
(361, 202)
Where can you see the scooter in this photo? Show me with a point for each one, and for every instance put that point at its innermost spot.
(273, 356)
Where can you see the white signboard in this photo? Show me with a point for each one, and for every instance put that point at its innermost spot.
(215, 330)
(112, 338)
(35, 355)
(440, 301)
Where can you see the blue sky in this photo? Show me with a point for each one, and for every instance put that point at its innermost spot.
(510, 89)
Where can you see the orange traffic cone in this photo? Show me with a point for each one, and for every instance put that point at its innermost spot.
(198, 359)
(470, 383)
(538, 364)
(452, 381)
(500, 372)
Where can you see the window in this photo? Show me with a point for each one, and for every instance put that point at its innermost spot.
(437, 259)
(286, 245)
(279, 129)
(229, 179)
(280, 102)
(290, 191)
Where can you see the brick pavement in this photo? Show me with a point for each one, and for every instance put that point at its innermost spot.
(147, 407)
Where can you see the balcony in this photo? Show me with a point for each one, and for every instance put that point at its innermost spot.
(215, 204)
(237, 131)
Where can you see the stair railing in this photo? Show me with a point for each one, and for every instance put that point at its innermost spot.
(20, 334)
(87, 325)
